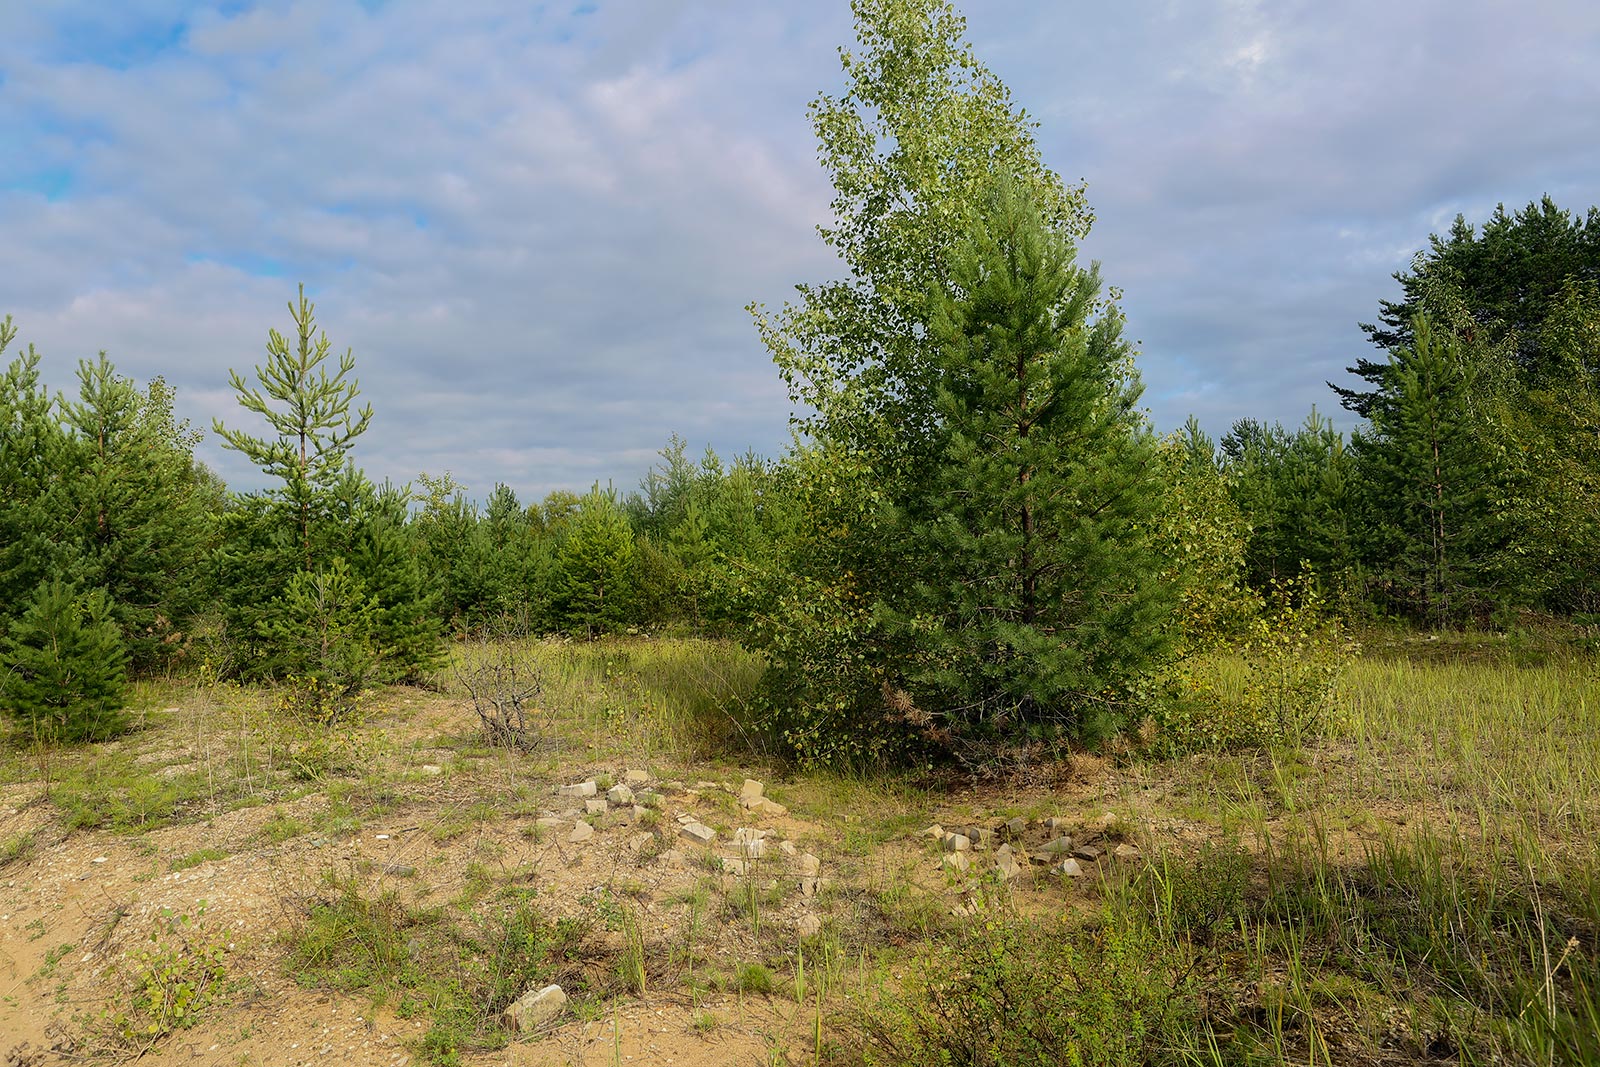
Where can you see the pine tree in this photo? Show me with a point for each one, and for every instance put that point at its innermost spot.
(407, 629)
(309, 412)
(139, 506)
(594, 564)
(1428, 483)
(63, 670)
(1036, 590)
(36, 467)
(324, 635)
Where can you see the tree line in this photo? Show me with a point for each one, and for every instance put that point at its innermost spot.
(977, 540)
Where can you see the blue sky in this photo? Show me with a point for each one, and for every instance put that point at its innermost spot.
(537, 225)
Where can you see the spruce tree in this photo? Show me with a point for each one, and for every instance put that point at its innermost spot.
(1030, 536)
(63, 670)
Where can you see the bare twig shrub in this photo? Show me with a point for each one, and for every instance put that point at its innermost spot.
(500, 671)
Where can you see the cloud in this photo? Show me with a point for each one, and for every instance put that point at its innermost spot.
(537, 225)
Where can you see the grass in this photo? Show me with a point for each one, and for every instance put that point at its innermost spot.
(1419, 883)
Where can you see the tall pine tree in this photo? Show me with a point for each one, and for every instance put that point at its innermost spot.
(1029, 539)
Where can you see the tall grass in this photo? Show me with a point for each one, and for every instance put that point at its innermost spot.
(682, 699)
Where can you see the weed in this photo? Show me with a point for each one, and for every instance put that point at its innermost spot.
(196, 858)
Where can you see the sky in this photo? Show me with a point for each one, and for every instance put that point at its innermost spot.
(538, 226)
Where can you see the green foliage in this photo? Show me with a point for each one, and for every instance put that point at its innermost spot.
(325, 634)
(407, 632)
(594, 567)
(1298, 494)
(1201, 538)
(1275, 683)
(140, 504)
(308, 411)
(1034, 587)
(175, 978)
(970, 550)
(64, 666)
(1015, 992)
(35, 544)
(1431, 485)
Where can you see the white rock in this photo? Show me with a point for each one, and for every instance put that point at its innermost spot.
(619, 794)
(582, 789)
(535, 1008)
(957, 842)
(700, 832)
(581, 832)
(808, 926)
(594, 806)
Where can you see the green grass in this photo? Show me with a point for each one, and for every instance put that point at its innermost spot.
(459, 968)
(196, 858)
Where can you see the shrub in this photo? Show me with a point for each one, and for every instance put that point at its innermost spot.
(324, 634)
(64, 668)
(1275, 686)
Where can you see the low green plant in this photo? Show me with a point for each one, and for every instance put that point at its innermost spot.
(17, 848)
(196, 858)
(175, 977)
(461, 969)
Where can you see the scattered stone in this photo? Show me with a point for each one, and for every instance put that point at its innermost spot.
(981, 836)
(957, 861)
(751, 844)
(810, 866)
(1068, 867)
(684, 818)
(550, 822)
(735, 866)
(696, 831)
(1061, 846)
(1055, 824)
(619, 794)
(636, 777)
(809, 886)
(1108, 820)
(582, 789)
(399, 870)
(787, 848)
(640, 811)
(771, 807)
(935, 831)
(673, 787)
(432, 770)
(703, 786)
(534, 1009)
(752, 790)
(808, 926)
(1015, 828)
(1125, 852)
(648, 799)
(957, 842)
(594, 806)
(1087, 852)
(1006, 865)
(641, 841)
(581, 832)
